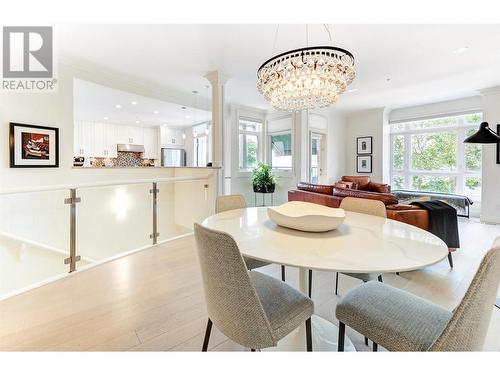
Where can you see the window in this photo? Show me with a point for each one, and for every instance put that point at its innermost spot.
(281, 150)
(248, 140)
(429, 155)
(200, 150)
(202, 144)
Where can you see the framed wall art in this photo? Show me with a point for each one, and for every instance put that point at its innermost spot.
(33, 146)
(364, 164)
(364, 145)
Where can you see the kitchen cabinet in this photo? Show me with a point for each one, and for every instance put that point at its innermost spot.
(151, 143)
(171, 138)
(135, 135)
(83, 143)
(92, 139)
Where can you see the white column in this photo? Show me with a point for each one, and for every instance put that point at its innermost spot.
(218, 81)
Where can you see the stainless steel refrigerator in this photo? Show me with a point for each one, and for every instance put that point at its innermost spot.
(173, 157)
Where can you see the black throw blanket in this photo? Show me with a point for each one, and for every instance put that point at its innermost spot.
(442, 221)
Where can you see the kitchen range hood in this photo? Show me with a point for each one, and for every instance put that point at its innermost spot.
(130, 148)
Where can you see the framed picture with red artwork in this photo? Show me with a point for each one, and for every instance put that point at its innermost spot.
(33, 146)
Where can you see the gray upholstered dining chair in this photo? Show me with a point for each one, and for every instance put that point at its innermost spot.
(400, 321)
(250, 308)
(234, 202)
(363, 206)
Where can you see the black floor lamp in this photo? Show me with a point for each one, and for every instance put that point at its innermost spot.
(485, 136)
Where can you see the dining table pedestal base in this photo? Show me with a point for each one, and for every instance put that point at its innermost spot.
(324, 338)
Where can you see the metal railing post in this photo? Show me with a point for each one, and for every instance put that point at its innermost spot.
(155, 233)
(73, 258)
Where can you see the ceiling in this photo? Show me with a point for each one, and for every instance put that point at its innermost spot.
(98, 103)
(396, 65)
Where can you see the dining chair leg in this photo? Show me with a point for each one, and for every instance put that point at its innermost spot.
(375, 347)
(340, 347)
(309, 344)
(207, 336)
(310, 282)
(336, 283)
(283, 273)
(380, 278)
(450, 259)
(366, 341)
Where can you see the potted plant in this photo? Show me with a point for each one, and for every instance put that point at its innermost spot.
(263, 180)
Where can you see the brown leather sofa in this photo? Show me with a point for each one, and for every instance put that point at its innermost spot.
(360, 187)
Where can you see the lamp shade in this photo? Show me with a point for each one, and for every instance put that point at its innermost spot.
(483, 135)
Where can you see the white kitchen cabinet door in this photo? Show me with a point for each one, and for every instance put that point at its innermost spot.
(111, 141)
(135, 135)
(77, 139)
(84, 138)
(150, 143)
(171, 138)
(121, 134)
(99, 140)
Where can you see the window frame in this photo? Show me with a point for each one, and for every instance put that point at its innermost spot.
(460, 173)
(258, 133)
(281, 171)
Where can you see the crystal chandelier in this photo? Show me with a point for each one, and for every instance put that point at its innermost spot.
(306, 78)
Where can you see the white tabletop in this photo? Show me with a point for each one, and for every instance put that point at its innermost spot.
(363, 243)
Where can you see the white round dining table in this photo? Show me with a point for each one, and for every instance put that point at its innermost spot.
(361, 244)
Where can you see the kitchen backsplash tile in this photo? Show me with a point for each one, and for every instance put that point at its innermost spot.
(124, 159)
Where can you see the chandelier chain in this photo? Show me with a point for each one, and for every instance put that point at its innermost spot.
(327, 28)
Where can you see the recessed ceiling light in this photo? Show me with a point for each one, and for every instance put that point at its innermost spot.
(164, 124)
(118, 106)
(352, 90)
(156, 111)
(460, 50)
(188, 116)
(133, 102)
(137, 122)
(106, 118)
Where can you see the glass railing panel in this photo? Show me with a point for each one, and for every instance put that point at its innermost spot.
(34, 239)
(113, 220)
(180, 204)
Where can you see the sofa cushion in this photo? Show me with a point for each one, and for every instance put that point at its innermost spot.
(378, 187)
(386, 198)
(347, 185)
(322, 189)
(361, 181)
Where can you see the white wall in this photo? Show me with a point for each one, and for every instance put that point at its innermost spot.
(364, 124)
(490, 207)
(336, 146)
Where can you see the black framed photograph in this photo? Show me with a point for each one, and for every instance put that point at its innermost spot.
(364, 145)
(33, 146)
(364, 164)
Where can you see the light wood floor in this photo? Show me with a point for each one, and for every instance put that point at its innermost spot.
(153, 301)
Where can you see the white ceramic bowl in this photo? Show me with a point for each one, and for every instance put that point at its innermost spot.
(307, 217)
